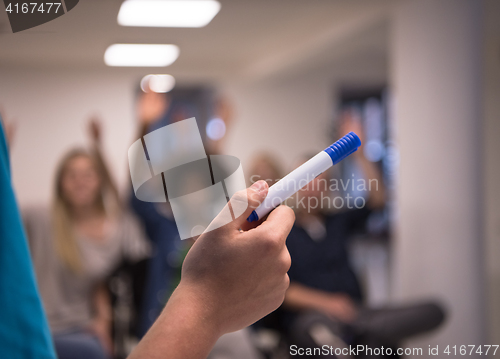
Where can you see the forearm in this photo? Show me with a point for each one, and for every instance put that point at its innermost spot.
(103, 168)
(184, 330)
(102, 304)
(375, 185)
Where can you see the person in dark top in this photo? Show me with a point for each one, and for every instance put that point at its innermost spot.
(324, 294)
(321, 262)
(163, 269)
(321, 277)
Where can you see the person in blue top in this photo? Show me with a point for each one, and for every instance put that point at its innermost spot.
(24, 330)
(154, 111)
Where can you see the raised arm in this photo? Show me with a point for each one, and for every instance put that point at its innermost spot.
(376, 195)
(95, 132)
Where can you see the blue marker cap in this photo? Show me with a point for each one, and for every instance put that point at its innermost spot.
(343, 147)
(253, 217)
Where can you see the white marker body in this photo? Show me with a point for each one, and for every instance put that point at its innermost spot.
(293, 182)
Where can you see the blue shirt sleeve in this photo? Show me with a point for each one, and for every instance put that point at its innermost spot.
(24, 330)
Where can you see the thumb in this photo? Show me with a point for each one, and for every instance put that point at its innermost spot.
(244, 202)
(240, 206)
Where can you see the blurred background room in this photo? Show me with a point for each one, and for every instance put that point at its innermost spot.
(273, 81)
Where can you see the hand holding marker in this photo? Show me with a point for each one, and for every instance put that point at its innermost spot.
(304, 174)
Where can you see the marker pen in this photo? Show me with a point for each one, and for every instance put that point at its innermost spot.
(304, 174)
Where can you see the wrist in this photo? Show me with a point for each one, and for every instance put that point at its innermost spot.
(197, 308)
(187, 315)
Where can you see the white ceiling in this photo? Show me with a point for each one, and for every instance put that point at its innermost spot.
(247, 38)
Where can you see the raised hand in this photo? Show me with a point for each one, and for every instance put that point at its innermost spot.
(151, 106)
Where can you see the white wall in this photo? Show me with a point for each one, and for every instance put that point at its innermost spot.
(491, 194)
(286, 118)
(437, 82)
(51, 109)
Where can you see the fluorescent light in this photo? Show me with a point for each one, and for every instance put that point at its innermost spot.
(157, 83)
(141, 55)
(167, 13)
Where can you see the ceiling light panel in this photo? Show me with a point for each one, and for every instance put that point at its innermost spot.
(167, 13)
(141, 55)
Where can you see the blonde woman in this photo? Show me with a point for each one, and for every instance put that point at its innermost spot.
(74, 247)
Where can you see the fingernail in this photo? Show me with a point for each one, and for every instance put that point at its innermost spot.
(259, 186)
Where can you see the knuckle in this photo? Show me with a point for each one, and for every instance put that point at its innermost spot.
(276, 238)
(269, 246)
(272, 242)
(281, 290)
(288, 211)
(283, 261)
(286, 282)
(286, 260)
(279, 297)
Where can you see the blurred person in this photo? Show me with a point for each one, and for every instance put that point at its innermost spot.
(324, 290)
(264, 166)
(318, 230)
(158, 220)
(214, 297)
(223, 111)
(75, 246)
(153, 111)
